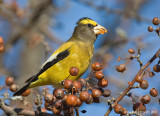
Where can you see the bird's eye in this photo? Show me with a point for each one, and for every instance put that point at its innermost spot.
(89, 25)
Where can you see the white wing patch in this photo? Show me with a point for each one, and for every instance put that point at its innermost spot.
(51, 58)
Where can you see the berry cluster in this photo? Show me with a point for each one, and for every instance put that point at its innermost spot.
(155, 21)
(1, 44)
(64, 101)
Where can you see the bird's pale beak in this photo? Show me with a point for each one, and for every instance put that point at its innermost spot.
(100, 30)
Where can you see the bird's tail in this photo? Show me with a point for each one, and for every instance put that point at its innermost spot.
(21, 90)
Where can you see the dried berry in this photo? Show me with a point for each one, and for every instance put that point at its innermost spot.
(144, 84)
(1, 40)
(139, 107)
(96, 93)
(153, 92)
(74, 71)
(106, 93)
(150, 28)
(90, 100)
(121, 68)
(13, 88)
(1, 48)
(26, 93)
(64, 98)
(82, 81)
(156, 21)
(9, 81)
(151, 74)
(156, 68)
(77, 86)
(145, 99)
(139, 78)
(84, 96)
(48, 98)
(59, 93)
(68, 84)
(131, 51)
(124, 111)
(78, 102)
(71, 100)
(103, 82)
(99, 75)
(97, 66)
(118, 109)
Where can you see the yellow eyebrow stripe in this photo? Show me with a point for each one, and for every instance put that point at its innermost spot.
(87, 21)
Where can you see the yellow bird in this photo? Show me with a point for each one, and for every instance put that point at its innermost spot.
(76, 52)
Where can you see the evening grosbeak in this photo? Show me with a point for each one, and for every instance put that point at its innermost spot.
(76, 52)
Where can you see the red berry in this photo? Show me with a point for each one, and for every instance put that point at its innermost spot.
(144, 84)
(48, 98)
(77, 86)
(139, 78)
(96, 93)
(124, 111)
(9, 81)
(103, 82)
(71, 100)
(131, 51)
(74, 71)
(118, 108)
(1, 40)
(1, 48)
(150, 28)
(68, 84)
(153, 92)
(78, 102)
(13, 88)
(156, 68)
(121, 68)
(99, 75)
(139, 107)
(59, 93)
(106, 93)
(97, 66)
(151, 74)
(26, 93)
(84, 96)
(82, 81)
(145, 99)
(90, 100)
(156, 21)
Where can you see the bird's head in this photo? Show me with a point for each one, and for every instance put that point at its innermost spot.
(88, 29)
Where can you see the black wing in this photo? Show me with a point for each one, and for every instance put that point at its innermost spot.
(59, 57)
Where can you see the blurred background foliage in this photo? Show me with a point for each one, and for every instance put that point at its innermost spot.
(33, 29)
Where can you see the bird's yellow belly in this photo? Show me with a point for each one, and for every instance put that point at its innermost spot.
(60, 71)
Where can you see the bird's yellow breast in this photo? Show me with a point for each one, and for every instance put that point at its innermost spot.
(80, 56)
